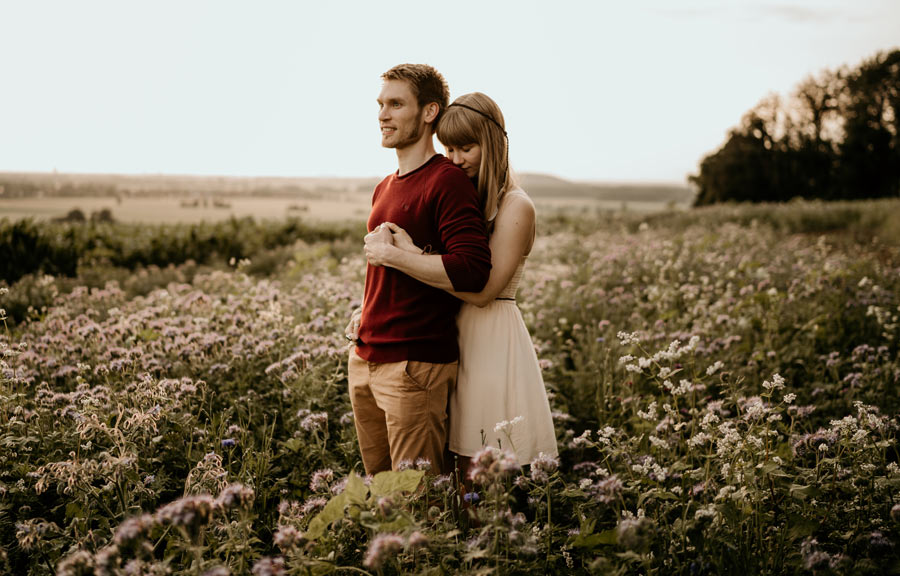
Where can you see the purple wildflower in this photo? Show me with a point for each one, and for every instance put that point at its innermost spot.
(542, 467)
(133, 531)
(417, 540)
(75, 564)
(236, 496)
(315, 421)
(267, 566)
(288, 537)
(192, 512)
(382, 548)
(489, 465)
(321, 480)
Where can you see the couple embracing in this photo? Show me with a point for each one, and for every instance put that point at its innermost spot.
(441, 352)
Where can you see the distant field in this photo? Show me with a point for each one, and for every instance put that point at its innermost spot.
(167, 209)
(346, 207)
(155, 199)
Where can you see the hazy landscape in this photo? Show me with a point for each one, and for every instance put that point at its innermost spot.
(166, 198)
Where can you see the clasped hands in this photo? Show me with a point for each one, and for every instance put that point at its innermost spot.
(383, 243)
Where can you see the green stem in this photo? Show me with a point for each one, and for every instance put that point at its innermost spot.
(549, 523)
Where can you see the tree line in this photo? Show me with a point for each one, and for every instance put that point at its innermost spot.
(835, 137)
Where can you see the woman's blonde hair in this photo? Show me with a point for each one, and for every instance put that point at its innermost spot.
(476, 119)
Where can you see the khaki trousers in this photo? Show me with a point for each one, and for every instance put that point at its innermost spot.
(400, 409)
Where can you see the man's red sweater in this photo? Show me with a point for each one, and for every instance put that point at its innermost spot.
(402, 318)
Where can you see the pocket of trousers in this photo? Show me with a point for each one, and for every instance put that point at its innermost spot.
(419, 375)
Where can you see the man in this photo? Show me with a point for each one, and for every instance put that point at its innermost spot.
(405, 360)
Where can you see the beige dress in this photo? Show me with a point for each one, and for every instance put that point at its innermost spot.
(499, 379)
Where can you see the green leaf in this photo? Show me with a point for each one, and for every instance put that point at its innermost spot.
(587, 526)
(774, 469)
(331, 512)
(591, 541)
(657, 494)
(667, 496)
(397, 525)
(74, 510)
(294, 444)
(356, 490)
(801, 492)
(149, 335)
(391, 482)
(801, 527)
(630, 557)
(475, 553)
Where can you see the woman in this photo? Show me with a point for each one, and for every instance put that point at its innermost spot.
(500, 399)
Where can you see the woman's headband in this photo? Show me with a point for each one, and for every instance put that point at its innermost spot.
(486, 115)
(491, 118)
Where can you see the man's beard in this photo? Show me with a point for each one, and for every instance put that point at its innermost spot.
(410, 137)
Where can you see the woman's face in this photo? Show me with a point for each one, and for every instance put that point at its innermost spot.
(467, 157)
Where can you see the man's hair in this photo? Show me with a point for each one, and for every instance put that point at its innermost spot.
(427, 84)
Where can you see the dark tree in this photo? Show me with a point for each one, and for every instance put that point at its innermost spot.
(835, 137)
(870, 151)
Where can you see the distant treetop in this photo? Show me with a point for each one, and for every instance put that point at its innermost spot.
(837, 136)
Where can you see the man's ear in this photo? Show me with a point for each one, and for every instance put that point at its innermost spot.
(431, 111)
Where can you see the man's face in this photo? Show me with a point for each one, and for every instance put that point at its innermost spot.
(399, 115)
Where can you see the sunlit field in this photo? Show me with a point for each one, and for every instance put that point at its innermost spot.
(169, 209)
(325, 209)
(723, 383)
(189, 199)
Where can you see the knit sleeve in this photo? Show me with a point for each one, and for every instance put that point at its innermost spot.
(466, 257)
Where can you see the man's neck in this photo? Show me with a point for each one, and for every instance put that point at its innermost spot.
(414, 155)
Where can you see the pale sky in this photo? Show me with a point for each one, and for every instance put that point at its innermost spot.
(591, 90)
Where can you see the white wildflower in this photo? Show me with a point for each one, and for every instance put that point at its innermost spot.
(658, 443)
(777, 383)
(718, 365)
(650, 414)
(699, 439)
(708, 511)
(627, 338)
(709, 419)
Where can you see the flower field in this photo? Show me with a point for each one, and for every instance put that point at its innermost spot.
(724, 385)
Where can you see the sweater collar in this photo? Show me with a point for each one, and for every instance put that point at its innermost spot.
(411, 172)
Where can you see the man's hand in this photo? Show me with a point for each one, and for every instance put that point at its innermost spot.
(351, 332)
(379, 246)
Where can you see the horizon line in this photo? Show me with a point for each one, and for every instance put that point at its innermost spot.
(597, 181)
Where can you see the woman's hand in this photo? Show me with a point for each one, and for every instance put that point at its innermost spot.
(401, 239)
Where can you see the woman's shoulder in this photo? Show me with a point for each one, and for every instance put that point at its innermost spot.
(516, 197)
(516, 205)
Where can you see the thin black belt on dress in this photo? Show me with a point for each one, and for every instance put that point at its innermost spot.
(513, 299)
